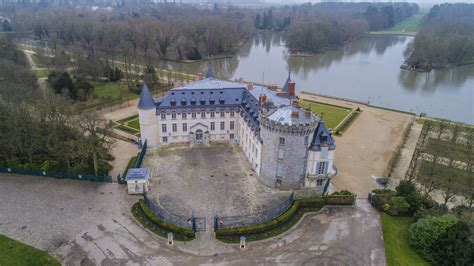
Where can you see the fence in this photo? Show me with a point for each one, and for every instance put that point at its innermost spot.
(252, 219)
(138, 164)
(186, 222)
(61, 175)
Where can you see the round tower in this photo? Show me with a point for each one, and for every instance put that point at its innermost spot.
(147, 117)
(286, 133)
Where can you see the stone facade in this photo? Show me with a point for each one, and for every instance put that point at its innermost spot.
(288, 147)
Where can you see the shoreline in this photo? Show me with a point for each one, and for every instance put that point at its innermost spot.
(367, 103)
(406, 67)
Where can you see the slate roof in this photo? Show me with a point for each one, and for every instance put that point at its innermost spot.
(284, 115)
(322, 137)
(146, 101)
(138, 174)
(271, 95)
(210, 73)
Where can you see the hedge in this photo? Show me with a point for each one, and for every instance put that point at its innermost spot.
(130, 164)
(339, 200)
(146, 217)
(274, 227)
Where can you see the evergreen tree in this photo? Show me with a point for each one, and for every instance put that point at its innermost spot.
(258, 21)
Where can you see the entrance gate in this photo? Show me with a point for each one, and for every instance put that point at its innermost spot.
(199, 223)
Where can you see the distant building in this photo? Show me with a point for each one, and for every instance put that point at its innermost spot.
(287, 146)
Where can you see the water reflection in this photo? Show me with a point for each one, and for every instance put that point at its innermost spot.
(367, 70)
(451, 78)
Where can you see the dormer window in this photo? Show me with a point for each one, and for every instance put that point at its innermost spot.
(202, 101)
(183, 101)
(212, 101)
(221, 100)
(173, 102)
(193, 101)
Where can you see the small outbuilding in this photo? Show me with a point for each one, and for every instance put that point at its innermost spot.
(138, 180)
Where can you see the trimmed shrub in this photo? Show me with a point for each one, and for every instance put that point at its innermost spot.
(398, 206)
(454, 247)
(339, 199)
(273, 227)
(425, 232)
(342, 192)
(177, 230)
(380, 197)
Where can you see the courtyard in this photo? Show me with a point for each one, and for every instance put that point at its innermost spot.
(205, 179)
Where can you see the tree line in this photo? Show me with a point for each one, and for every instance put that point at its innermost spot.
(316, 27)
(37, 130)
(446, 38)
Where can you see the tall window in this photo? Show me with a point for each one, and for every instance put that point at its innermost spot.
(163, 128)
(213, 126)
(185, 127)
(231, 136)
(222, 125)
(282, 141)
(322, 168)
(184, 115)
(222, 114)
(281, 153)
(319, 182)
(174, 127)
(165, 139)
(306, 140)
(213, 114)
(193, 114)
(163, 116)
(232, 125)
(232, 113)
(203, 114)
(173, 115)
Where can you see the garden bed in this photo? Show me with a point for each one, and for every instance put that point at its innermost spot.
(145, 217)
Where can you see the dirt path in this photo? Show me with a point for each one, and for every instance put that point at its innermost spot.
(366, 147)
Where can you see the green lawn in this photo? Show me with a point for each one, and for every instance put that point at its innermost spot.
(110, 89)
(41, 73)
(332, 115)
(409, 26)
(15, 253)
(134, 123)
(397, 250)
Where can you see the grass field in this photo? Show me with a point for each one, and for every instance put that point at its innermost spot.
(333, 115)
(15, 253)
(41, 73)
(409, 26)
(397, 250)
(130, 125)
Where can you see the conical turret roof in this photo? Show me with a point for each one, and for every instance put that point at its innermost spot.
(146, 101)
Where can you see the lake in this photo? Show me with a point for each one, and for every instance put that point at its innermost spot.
(364, 70)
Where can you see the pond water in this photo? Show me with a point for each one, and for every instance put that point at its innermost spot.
(365, 70)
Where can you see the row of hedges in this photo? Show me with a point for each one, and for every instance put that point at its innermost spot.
(347, 122)
(283, 222)
(146, 217)
(131, 164)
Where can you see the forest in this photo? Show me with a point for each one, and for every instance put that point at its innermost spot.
(446, 38)
(37, 130)
(313, 28)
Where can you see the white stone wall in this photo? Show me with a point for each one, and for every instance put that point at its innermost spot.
(149, 127)
(249, 144)
(314, 158)
(180, 135)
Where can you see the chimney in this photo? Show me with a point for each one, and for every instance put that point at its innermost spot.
(295, 104)
(262, 99)
(295, 114)
(291, 89)
(307, 113)
(198, 77)
(249, 86)
(241, 80)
